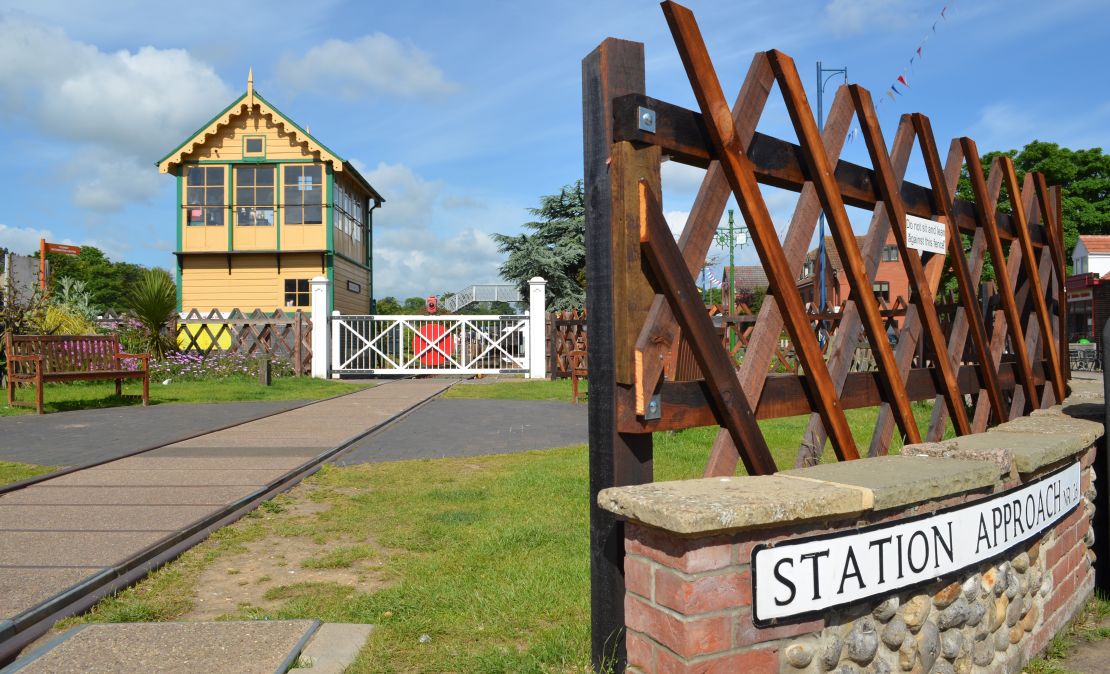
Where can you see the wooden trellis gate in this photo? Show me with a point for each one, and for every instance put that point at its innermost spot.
(641, 294)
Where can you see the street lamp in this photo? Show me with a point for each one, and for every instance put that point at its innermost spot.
(728, 237)
(822, 80)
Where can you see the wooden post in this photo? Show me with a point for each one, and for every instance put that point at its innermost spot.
(612, 173)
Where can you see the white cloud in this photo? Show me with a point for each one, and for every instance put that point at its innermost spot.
(409, 197)
(680, 178)
(124, 109)
(110, 183)
(375, 63)
(412, 255)
(23, 240)
(416, 264)
(462, 202)
(851, 17)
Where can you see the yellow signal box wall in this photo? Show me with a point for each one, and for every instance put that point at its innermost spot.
(262, 207)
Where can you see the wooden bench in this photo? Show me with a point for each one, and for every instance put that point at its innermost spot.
(37, 359)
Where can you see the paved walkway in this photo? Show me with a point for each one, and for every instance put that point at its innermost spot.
(88, 436)
(79, 530)
(463, 427)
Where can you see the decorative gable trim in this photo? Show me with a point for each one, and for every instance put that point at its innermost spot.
(242, 106)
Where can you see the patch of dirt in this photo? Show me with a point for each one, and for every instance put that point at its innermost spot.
(1090, 657)
(237, 581)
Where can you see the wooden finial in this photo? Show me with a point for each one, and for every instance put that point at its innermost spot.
(250, 85)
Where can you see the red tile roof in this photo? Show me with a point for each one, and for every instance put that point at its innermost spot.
(1096, 243)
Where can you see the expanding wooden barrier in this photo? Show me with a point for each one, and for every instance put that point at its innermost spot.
(642, 298)
(255, 334)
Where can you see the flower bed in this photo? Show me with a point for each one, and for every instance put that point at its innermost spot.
(193, 366)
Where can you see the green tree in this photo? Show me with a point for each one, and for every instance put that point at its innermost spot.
(1083, 175)
(107, 283)
(388, 305)
(555, 249)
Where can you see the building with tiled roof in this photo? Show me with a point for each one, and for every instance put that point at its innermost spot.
(1091, 254)
(889, 284)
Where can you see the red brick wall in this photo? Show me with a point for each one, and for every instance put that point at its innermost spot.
(688, 603)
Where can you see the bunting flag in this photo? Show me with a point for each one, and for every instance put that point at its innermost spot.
(918, 55)
(713, 277)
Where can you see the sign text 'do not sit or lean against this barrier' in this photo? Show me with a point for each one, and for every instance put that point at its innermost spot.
(797, 578)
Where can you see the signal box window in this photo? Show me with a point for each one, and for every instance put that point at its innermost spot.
(304, 195)
(296, 293)
(254, 195)
(204, 196)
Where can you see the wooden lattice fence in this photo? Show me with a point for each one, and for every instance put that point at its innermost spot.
(642, 297)
(285, 335)
(566, 332)
(259, 333)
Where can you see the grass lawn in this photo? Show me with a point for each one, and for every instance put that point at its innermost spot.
(90, 395)
(14, 472)
(557, 390)
(487, 556)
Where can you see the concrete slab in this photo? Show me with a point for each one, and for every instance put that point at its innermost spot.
(898, 480)
(73, 548)
(333, 648)
(46, 494)
(258, 647)
(219, 451)
(108, 477)
(21, 588)
(471, 428)
(727, 503)
(150, 461)
(101, 518)
(1030, 451)
(86, 436)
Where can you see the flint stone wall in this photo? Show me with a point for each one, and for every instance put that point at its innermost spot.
(688, 603)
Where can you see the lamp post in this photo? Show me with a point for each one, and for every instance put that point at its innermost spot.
(727, 237)
(822, 80)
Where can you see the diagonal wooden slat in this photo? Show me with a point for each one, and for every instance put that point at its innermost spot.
(1009, 176)
(986, 209)
(842, 356)
(841, 228)
(741, 177)
(660, 332)
(968, 289)
(763, 343)
(911, 261)
(672, 279)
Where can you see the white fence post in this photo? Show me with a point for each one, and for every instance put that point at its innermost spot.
(336, 355)
(320, 327)
(537, 329)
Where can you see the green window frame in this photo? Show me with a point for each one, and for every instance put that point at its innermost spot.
(303, 194)
(254, 196)
(204, 196)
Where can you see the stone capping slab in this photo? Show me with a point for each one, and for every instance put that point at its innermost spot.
(902, 480)
(1030, 450)
(730, 503)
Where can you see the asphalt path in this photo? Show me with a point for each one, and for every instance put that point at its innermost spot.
(463, 427)
(87, 436)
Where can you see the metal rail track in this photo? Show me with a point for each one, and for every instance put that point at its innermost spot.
(23, 629)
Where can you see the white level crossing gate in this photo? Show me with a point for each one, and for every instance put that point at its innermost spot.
(422, 345)
(430, 344)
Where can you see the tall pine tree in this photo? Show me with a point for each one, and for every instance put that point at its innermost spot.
(555, 249)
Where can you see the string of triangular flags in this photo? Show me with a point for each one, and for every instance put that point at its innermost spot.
(902, 81)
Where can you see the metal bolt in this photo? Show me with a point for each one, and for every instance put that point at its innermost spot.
(645, 119)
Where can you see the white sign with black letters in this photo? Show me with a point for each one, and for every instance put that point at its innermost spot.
(791, 579)
(927, 236)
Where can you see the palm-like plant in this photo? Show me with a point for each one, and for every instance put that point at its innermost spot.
(152, 302)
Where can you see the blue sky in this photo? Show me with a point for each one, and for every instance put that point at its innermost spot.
(462, 114)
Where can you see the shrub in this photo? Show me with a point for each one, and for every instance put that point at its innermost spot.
(152, 303)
